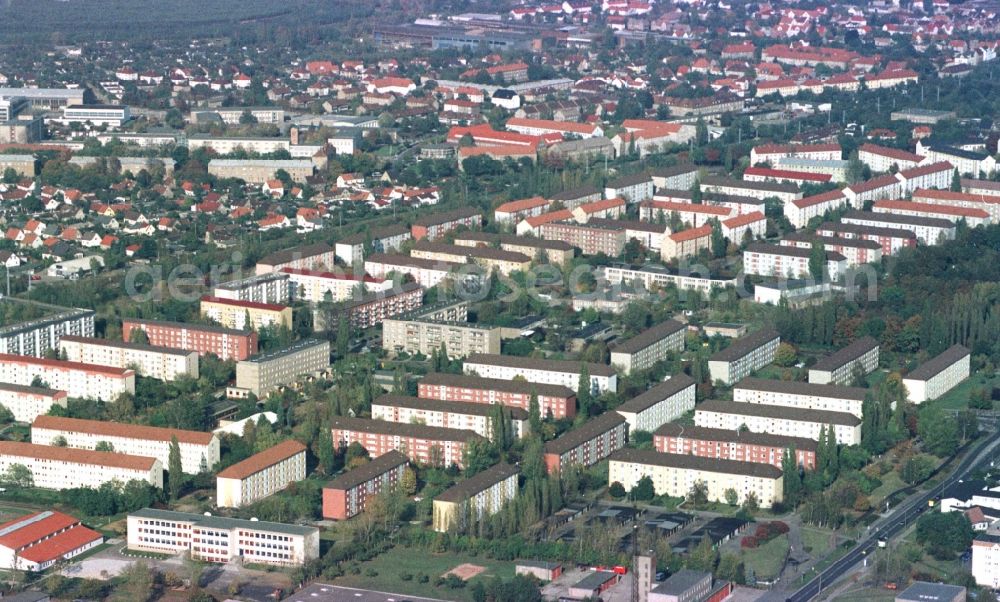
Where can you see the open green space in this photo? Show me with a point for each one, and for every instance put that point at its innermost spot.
(386, 572)
(818, 542)
(890, 482)
(767, 560)
(958, 398)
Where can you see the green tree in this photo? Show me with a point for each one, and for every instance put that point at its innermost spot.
(939, 433)
(791, 478)
(732, 498)
(944, 535)
(817, 260)
(785, 355)
(616, 490)
(643, 490)
(703, 557)
(134, 583)
(18, 475)
(698, 495)
(701, 132)
(343, 338)
(534, 413)
(718, 240)
(916, 469)
(696, 195)
(956, 181)
(175, 474)
(104, 446)
(583, 388)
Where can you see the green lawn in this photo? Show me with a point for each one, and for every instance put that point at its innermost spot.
(890, 482)
(816, 541)
(768, 559)
(391, 565)
(958, 397)
(870, 594)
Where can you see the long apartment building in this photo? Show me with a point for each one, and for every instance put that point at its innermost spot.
(481, 495)
(808, 396)
(725, 444)
(272, 287)
(777, 420)
(260, 475)
(663, 402)
(801, 211)
(856, 251)
(264, 373)
(243, 315)
(591, 239)
(199, 451)
(990, 203)
(313, 286)
(555, 401)
(744, 356)
(437, 224)
(35, 337)
(655, 276)
(81, 380)
(317, 256)
(421, 443)
(973, 216)
(219, 539)
(758, 190)
(928, 230)
(542, 371)
(351, 248)
(59, 468)
(675, 475)
(425, 272)
(473, 417)
(587, 444)
(938, 375)
(778, 261)
(347, 495)
(552, 251)
(892, 240)
(374, 308)
(162, 363)
(490, 259)
(648, 347)
(839, 368)
(418, 332)
(26, 402)
(225, 343)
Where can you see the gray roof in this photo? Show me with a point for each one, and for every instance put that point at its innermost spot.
(203, 327)
(681, 581)
(124, 345)
(845, 355)
(860, 243)
(778, 412)
(936, 364)
(722, 182)
(744, 345)
(588, 430)
(772, 249)
(275, 163)
(800, 388)
(293, 348)
(648, 337)
(632, 180)
(404, 429)
(923, 591)
(375, 234)
(451, 407)
(534, 363)
(699, 463)
(299, 252)
(467, 488)
(222, 522)
(368, 471)
(416, 262)
(594, 580)
(30, 390)
(702, 433)
(906, 220)
(575, 193)
(496, 384)
(481, 252)
(436, 219)
(874, 230)
(657, 393)
(674, 170)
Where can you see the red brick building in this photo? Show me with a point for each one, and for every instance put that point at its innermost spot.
(421, 443)
(723, 444)
(347, 495)
(227, 343)
(555, 400)
(588, 444)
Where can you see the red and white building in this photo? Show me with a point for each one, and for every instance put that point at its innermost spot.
(421, 443)
(856, 251)
(770, 153)
(59, 468)
(37, 541)
(767, 174)
(425, 272)
(892, 240)
(82, 380)
(742, 446)
(928, 230)
(448, 414)
(373, 309)
(689, 213)
(764, 259)
(541, 127)
(514, 211)
(314, 286)
(226, 343)
(988, 203)
(587, 444)
(556, 401)
(735, 228)
(800, 211)
(972, 216)
(928, 175)
(881, 158)
(26, 402)
(879, 188)
(347, 495)
(307, 257)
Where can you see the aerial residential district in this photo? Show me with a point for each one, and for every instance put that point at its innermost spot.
(506, 301)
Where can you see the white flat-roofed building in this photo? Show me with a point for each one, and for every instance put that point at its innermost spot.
(109, 115)
(161, 363)
(272, 287)
(777, 420)
(35, 337)
(26, 402)
(938, 375)
(662, 403)
(60, 468)
(425, 272)
(263, 373)
(482, 495)
(674, 475)
(260, 475)
(537, 370)
(459, 339)
(779, 261)
(258, 171)
(652, 276)
(744, 356)
(473, 417)
(314, 286)
(199, 451)
(218, 539)
(351, 248)
(48, 98)
(840, 367)
(233, 115)
(226, 146)
(647, 348)
(929, 230)
(833, 398)
(82, 380)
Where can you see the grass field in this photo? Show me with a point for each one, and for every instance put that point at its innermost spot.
(816, 541)
(768, 559)
(390, 567)
(890, 482)
(958, 397)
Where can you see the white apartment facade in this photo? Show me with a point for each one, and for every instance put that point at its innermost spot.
(534, 370)
(272, 288)
(162, 363)
(778, 420)
(221, 540)
(647, 348)
(25, 402)
(60, 468)
(82, 380)
(839, 368)
(937, 376)
(261, 475)
(479, 496)
(473, 417)
(662, 403)
(744, 356)
(316, 287)
(832, 398)
(199, 451)
(765, 259)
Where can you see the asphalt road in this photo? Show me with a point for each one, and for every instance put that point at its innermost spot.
(891, 525)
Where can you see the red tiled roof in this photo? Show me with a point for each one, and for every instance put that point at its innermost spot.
(691, 234)
(117, 429)
(522, 204)
(550, 124)
(668, 206)
(76, 456)
(60, 545)
(817, 199)
(602, 205)
(744, 219)
(786, 174)
(949, 195)
(331, 275)
(926, 208)
(39, 361)
(892, 153)
(33, 527)
(545, 218)
(923, 170)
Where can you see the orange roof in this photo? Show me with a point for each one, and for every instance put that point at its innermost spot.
(817, 199)
(266, 458)
(76, 456)
(61, 544)
(669, 206)
(693, 233)
(552, 216)
(551, 124)
(522, 204)
(949, 195)
(744, 219)
(117, 429)
(927, 208)
(28, 529)
(506, 150)
(602, 205)
(38, 361)
(245, 304)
